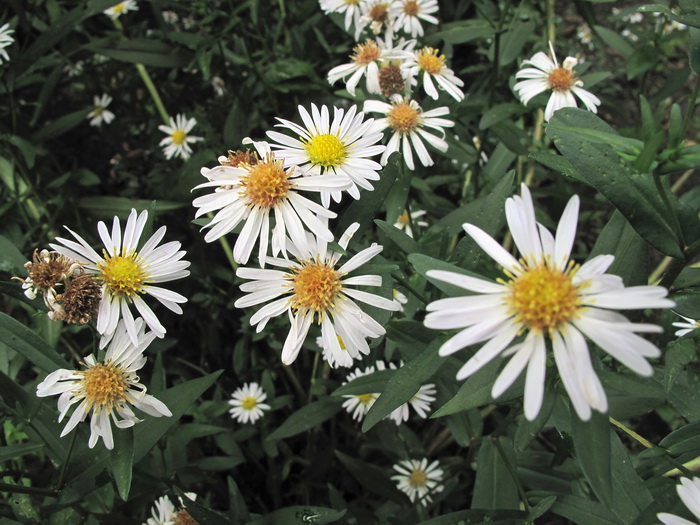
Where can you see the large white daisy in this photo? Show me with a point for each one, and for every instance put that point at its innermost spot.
(127, 273)
(418, 479)
(106, 390)
(177, 143)
(428, 64)
(547, 74)
(408, 122)
(249, 189)
(313, 289)
(342, 146)
(546, 297)
(689, 492)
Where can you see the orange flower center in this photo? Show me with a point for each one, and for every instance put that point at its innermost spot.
(430, 61)
(561, 79)
(366, 53)
(104, 385)
(403, 118)
(411, 7)
(266, 183)
(316, 287)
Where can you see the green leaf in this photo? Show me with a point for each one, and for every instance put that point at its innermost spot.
(556, 163)
(301, 515)
(678, 354)
(614, 40)
(514, 39)
(408, 332)
(401, 239)
(372, 478)
(307, 417)
(60, 126)
(17, 451)
(422, 264)
(644, 58)
(404, 384)
(592, 447)
(462, 31)
(11, 259)
(396, 200)
(23, 340)
(479, 517)
(629, 494)
(694, 49)
(108, 207)
(494, 487)
(581, 510)
(684, 440)
(527, 430)
(367, 384)
(121, 461)
(687, 16)
(239, 510)
(540, 508)
(688, 302)
(499, 112)
(144, 51)
(511, 136)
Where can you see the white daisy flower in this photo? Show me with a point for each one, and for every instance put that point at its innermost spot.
(408, 14)
(359, 405)
(342, 146)
(375, 14)
(312, 289)
(162, 512)
(127, 273)
(177, 143)
(408, 122)
(688, 326)
(546, 297)
(247, 403)
(367, 60)
(5, 41)
(250, 189)
(101, 114)
(546, 74)
(405, 222)
(585, 35)
(689, 492)
(170, 17)
(418, 479)
(121, 8)
(336, 356)
(219, 85)
(74, 69)
(351, 8)
(428, 64)
(106, 390)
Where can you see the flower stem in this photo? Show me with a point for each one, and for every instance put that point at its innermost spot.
(21, 489)
(691, 106)
(227, 248)
(643, 441)
(62, 474)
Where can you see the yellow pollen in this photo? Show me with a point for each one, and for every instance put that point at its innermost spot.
(249, 403)
(123, 275)
(561, 79)
(403, 118)
(366, 53)
(366, 399)
(430, 61)
(411, 8)
(316, 288)
(326, 150)
(544, 298)
(119, 8)
(403, 218)
(341, 343)
(266, 183)
(379, 12)
(105, 385)
(417, 479)
(352, 2)
(179, 137)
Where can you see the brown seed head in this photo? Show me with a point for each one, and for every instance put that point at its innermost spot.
(391, 80)
(80, 302)
(238, 157)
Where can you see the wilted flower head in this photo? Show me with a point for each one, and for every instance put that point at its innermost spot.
(47, 270)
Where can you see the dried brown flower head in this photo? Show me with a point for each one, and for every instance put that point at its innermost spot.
(391, 80)
(80, 302)
(238, 157)
(47, 270)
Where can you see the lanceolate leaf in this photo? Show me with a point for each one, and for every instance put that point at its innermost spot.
(23, 340)
(592, 449)
(495, 487)
(307, 417)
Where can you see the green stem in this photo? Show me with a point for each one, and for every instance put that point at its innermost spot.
(21, 489)
(551, 32)
(513, 474)
(64, 467)
(314, 369)
(661, 268)
(403, 282)
(691, 106)
(643, 441)
(227, 248)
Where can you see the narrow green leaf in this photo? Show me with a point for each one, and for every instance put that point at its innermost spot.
(684, 440)
(23, 340)
(16, 451)
(301, 515)
(367, 384)
(372, 478)
(540, 508)
(239, 510)
(108, 207)
(121, 461)
(462, 31)
(494, 487)
(499, 112)
(60, 126)
(11, 259)
(592, 447)
(614, 40)
(629, 493)
(678, 354)
(397, 199)
(581, 510)
(422, 264)
(479, 517)
(557, 163)
(694, 49)
(307, 417)
(513, 40)
(406, 331)
(401, 239)
(144, 51)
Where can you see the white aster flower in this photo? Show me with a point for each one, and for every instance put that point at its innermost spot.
(250, 188)
(358, 405)
(546, 297)
(367, 59)
(127, 273)
(101, 114)
(247, 403)
(162, 512)
(342, 146)
(121, 8)
(406, 222)
(689, 492)
(312, 289)
(408, 14)
(351, 8)
(106, 390)
(170, 17)
(408, 122)
(5, 41)
(688, 326)
(428, 64)
(585, 35)
(418, 479)
(629, 35)
(375, 14)
(546, 74)
(219, 85)
(177, 143)
(73, 69)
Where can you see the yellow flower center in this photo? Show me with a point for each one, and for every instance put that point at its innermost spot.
(99, 110)
(316, 288)
(326, 150)
(366, 399)
(105, 385)
(123, 275)
(366, 53)
(179, 137)
(119, 8)
(403, 118)
(266, 183)
(411, 7)
(417, 479)
(430, 61)
(544, 298)
(249, 403)
(403, 218)
(561, 79)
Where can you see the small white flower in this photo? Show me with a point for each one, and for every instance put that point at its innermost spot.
(688, 326)
(341, 146)
(585, 35)
(629, 35)
(546, 297)
(546, 74)
(121, 8)
(428, 64)
(106, 390)
(127, 273)
(170, 17)
(408, 15)
(312, 289)
(418, 479)
(376, 15)
(5, 41)
(351, 8)
(408, 122)
(162, 512)
(73, 69)
(405, 222)
(177, 143)
(101, 114)
(247, 403)
(689, 492)
(358, 405)
(219, 85)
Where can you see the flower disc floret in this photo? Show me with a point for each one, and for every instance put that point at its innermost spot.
(105, 385)
(265, 184)
(430, 61)
(561, 79)
(316, 287)
(366, 53)
(124, 276)
(403, 117)
(326, 150)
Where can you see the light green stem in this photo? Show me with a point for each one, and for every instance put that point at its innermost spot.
(644, 442)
